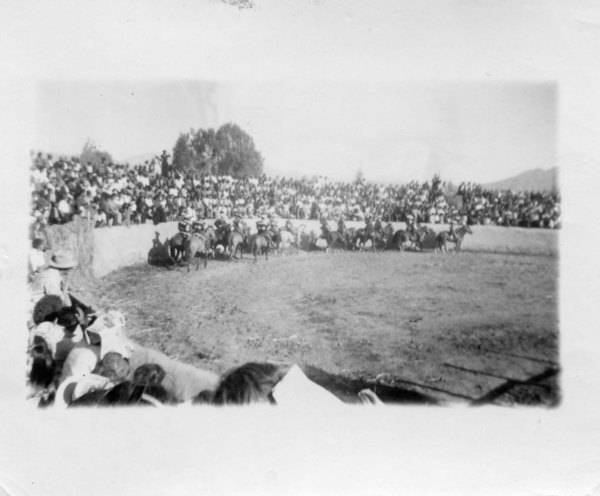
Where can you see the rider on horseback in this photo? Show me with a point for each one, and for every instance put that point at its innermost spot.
(184, 225)
(411, 228)
(262, 225)
(368, 224)
(221, 228)
(238, 223)
(289, 226)
(273, 226)
(378, 227)
(220, 223)
(324, 227)
(451, 231)
(341, 225)
(197, 227)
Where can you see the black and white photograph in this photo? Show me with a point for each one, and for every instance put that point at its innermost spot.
(387, 243)
(301, 248)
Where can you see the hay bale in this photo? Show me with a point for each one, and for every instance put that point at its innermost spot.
(76, 236)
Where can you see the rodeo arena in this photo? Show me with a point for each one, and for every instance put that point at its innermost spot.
(155, 286)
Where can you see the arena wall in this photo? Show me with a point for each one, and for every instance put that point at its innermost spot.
(120, 246)
(109, 249)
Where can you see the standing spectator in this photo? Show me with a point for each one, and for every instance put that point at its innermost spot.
(54, 279)
(37, 258)
(165, 168)
(64, 208)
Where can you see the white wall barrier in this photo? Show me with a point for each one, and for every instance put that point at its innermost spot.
(120, 246)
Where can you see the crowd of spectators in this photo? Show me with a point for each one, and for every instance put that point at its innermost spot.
(113, 194)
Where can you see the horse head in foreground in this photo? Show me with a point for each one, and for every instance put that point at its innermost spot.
(445, 237)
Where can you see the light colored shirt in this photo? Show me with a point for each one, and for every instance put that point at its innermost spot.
(37, 260)
(49, 282)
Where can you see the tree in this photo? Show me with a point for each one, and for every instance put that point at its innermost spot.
(206, 150)
(238, 155)
(227, 151)
(183, 155)
(97, 158)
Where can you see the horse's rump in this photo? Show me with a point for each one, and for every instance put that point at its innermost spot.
(260, 241)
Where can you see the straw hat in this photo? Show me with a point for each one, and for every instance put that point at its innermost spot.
(63, 260)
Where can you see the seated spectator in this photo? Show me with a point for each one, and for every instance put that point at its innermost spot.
(106, 334)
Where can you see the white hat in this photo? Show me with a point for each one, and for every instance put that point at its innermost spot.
(62, 260)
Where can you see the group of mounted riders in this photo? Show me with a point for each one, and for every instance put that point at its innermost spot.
(196, 237)
(376, 236)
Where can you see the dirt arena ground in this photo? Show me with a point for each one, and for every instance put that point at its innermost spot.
(415, 327)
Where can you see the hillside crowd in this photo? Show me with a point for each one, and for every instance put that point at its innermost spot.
(111, 194)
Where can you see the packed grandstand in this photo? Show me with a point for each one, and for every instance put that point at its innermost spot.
(79, 355)
(121, 194)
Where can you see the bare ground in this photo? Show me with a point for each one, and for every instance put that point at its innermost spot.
(414, 326)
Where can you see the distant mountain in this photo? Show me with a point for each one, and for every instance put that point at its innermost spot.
(545, 180)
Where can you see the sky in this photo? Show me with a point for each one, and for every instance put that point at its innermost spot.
(476, 91)
(389, 131)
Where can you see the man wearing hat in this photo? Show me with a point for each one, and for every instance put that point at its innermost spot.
(410, 224)
(262, 224)
(198, 227)
(451, 231)
(54, 279)
(183, 226)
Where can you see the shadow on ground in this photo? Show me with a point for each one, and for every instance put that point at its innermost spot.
(158, 255)
(347, 389)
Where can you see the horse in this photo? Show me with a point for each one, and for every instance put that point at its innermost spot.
(211, 239)
(351, 239)
(260, 243)
(236, 240)
(288, 239)
(388, 234)
(379, 240)
(197, 244)
(443, 238)
(302, 238)
(363, 235)
(416, 239)
(333, 238)
(177, 246)
(275, 234)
